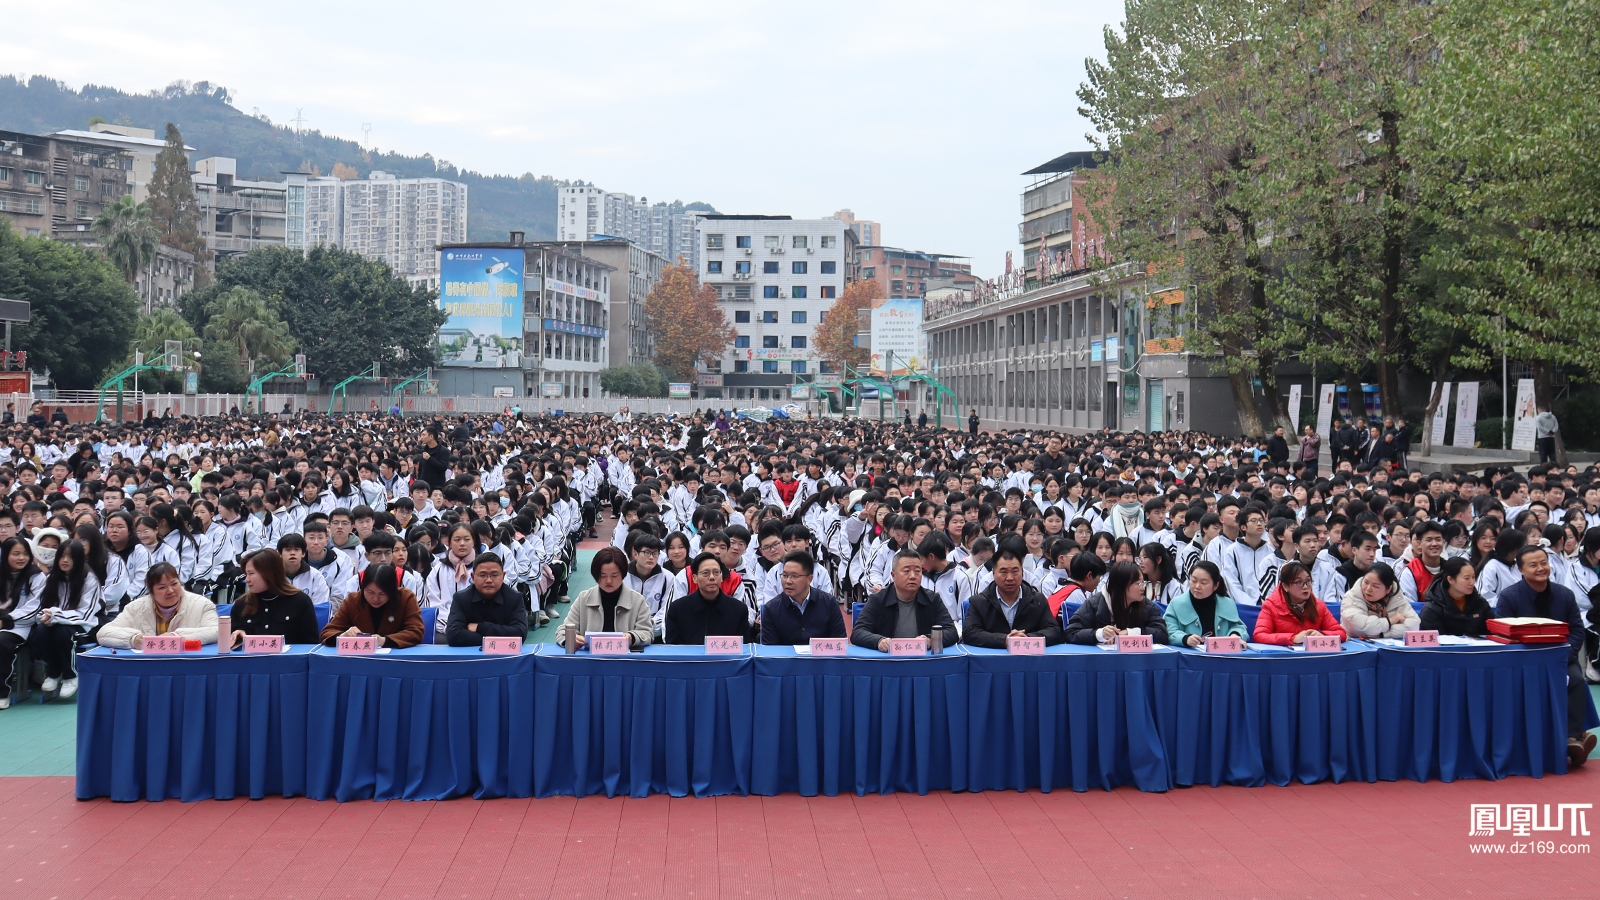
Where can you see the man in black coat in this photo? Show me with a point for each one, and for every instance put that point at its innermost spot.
(1278, 446)
(489, 608)
(801, 612)
(1009, 607)
(904, 609)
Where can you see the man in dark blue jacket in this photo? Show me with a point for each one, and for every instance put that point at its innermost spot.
(801, 612)
(489, 608)
(1537, 596)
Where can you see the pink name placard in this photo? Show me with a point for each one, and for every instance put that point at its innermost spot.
(604, 643)
(1025, 646)
(502, 646)
(163, 645)
(358, 645)
(1225, 645)
(1322, 643)
(263, 643)
(724, 645)
(1422, 639)
(830, 646)
(908, 647)
(1134, 643)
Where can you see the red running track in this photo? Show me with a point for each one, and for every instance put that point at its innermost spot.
(1330, 842)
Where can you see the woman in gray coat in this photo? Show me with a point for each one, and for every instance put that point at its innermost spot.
(1375, 607)
(610, 605)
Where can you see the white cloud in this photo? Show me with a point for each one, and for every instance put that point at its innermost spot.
(917, 114)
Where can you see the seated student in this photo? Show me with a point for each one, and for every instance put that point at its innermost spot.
(1292, 612)
(1375, 607)
(292, 550)
(801, 612)
(1009, 607)
(707, 610)
(1120, 609)
(336, 569)
(646, 577)
(1537, 595)
(1086, 570)
(68, 609)
(1201, 612)
(488, 607)
(271, 604)
(21, 587)
(165, 608)
(1453, 604)
(381, 608)
(611, 605)
(903, 609)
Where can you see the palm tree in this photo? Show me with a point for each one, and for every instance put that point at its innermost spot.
(128, 237)
(241, 318)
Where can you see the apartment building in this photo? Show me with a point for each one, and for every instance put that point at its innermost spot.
(629, 340)
(587, 213)
(238, 215)
(140, 145)
(868, 232)
(402, 221)
(775, 278)
(912, 273)
(52, 185)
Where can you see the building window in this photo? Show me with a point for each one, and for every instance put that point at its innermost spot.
(828, 241)
(714, 267)
(825, 368)
(797, 366)
(897, 286)
(80, 184)
(35, 206)
(797, 342)
(798, 317)
(741, 342)
(742, 317)
(827, 292)
(799, 242)
(770, 292)
(773, 242)
(869, 272)
(770, 267)
(829, 267)
(80, 210)
(894, 270)
(742, 242)
(798, 267)
(770, 342)
(109, 189)
(769, 366)
(742, 292)
(5, 174)
(742, 267)
(740, 365)
(798, 292)
(713, 242)
(34, 178)
(769, 317)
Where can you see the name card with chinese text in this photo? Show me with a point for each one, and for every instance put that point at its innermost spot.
(830, 646)
(358, 645)
(1422, 639)
(502, 646)
(1322, 643)
(163, 644)
(1025, 646)
(908, 647)
(724, 645)
(1134, 643)
(263, 643)
(1225, 645)
(607, 643)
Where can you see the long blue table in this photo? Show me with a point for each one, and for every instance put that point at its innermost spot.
(425, 723)
(195, 727)
(434, 722)
(1275, 715)
(1077, 717)
(866, 722)
(669, 720)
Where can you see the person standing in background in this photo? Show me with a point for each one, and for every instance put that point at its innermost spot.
(1310, 449)
(1544, 437)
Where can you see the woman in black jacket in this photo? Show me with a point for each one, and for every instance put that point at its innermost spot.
(271, 604)
(1100, 621)
(1452, 604)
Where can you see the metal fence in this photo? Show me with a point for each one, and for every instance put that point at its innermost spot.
(82, 406)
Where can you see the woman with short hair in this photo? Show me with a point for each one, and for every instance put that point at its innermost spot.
(164, 608)
(610, 605)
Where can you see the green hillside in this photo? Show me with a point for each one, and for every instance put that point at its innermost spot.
(496, 204)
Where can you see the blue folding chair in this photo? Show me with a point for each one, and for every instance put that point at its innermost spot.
(430, 621)
(323, 612)
(855, 610)
(1248, 615)
(965, 605)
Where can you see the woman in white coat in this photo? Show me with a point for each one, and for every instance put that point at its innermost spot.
(165, 608)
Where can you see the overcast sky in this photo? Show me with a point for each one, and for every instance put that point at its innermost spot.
(919, 115)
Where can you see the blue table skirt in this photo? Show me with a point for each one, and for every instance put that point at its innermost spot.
(867, 722)
(426, 723)
(1467, 713)
(1274, 716)
(194, 727)
(1078, 717)
(670, 720)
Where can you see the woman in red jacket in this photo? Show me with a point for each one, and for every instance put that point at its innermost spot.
(1292, 612)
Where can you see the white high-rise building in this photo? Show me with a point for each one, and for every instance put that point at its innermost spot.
(401, 221)
(588, 213)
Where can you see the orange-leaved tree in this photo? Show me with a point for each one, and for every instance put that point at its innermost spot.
(835, 335)
(685, 322)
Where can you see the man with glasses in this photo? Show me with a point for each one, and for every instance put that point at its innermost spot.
(801, 612)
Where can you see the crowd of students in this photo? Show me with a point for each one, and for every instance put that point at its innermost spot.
(769, 530)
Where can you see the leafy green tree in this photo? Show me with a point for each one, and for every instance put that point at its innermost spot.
(173, 205)
(634, 380)
(83, 311)
(127, 236)
(343, 311)
(220, 369)
(241, 319)
(150, 337)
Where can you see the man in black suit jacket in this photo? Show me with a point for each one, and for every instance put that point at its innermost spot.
(904, 609)
(1009, 607)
